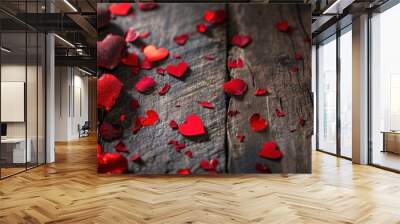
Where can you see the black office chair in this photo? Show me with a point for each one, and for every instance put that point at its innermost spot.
(84, 130)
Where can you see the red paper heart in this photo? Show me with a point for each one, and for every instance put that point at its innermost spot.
(131, 59)
(146, 65)
(235, 63)
(108, 90)
(209, 165)
(240, 138)
(193, 126)
(189, 153)
(121, 147)
(153, 54)
(160, 71)
(214, 17)
(136, 158)
(173, 124)
(181, 39)
(260, 92)
(109, 51)
(241, 40)
(257, 123)
(150, 119)
(282, 26)
(201, 28)
(261, 168)
(206, 104)
(137, 126)
(145, 84)
(147, 6)
(270, 150)
(184, 171)
(112, 163)
(177, 70)
(103, 17)
(164, 89)
(235, 87)
(134, 104)
(131, 35)
(279, 113)
(298, 56)
(120, 9)
(144, 35)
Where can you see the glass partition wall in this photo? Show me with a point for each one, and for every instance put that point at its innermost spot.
(334, 94)
(22, 77)
(385, 89)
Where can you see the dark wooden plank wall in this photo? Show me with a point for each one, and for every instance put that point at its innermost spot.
(269, 57)
(268, 60)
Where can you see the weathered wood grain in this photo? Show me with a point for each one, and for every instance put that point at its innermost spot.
(268, 60)
(202, 83)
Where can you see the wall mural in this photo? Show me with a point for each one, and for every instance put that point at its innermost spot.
(204, 88)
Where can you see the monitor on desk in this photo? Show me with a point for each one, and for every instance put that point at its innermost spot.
(3, 130)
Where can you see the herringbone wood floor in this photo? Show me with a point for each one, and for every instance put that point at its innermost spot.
(70, 191)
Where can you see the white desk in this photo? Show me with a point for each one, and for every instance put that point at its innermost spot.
(18, 149)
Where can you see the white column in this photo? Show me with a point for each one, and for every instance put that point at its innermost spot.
(360, 90)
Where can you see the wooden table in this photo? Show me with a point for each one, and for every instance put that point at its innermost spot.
(391, 141)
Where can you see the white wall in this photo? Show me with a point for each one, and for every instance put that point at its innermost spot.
(70, 83)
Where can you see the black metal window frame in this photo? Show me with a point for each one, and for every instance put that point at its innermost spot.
(339, 31)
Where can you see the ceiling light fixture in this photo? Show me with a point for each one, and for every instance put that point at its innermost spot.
(64, 40)
(5, 50)
(70, 5)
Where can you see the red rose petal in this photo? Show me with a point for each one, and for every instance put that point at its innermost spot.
(144, 35)
(209, 165)
(184, 171)
(120, 9)
(145, 84)
(112, 163)
(181, 39)
(120, 147)
(279, 113)
(261, 168)
(103, 17)
(178, 146)
(160, 71)
(235, 63)
(201, 28)
(241, 40)
(146, 65)
(189, 153)
(177, 70)
(206, 104)
(240, 138)
(108, 132)
(282, 26)
(235, 87)
(108, 90)
(153, 54)
(109, 51)
(134, 104)
(270, 150)
(150, 119)
(233, 113)
(260, 92)
(147, 6)
(131, 35)
(136, 158)
(131, 59)
(193, 126)
(173, 124)
(137, 126)
(214, 17)
(257, 123)
(164, 89)
(298, 56)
